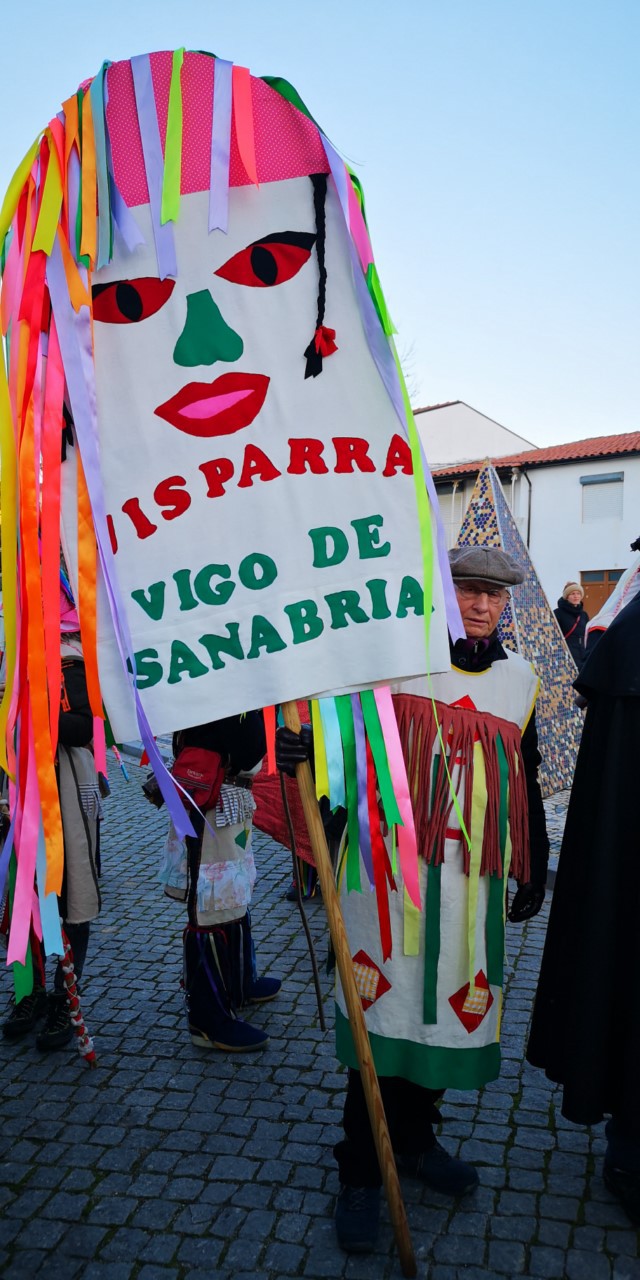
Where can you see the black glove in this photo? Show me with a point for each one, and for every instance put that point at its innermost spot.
(293, 748)
(152, 791)
(527, 902)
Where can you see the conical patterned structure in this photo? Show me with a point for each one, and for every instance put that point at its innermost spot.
(528, 626)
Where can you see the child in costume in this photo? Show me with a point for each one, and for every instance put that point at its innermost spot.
(214, 873)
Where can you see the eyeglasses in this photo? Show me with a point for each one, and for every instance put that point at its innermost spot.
(470, 589)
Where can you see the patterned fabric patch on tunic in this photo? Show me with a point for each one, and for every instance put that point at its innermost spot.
(371, 983)
(472, 1007)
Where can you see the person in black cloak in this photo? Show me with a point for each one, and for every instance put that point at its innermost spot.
(585, 1032)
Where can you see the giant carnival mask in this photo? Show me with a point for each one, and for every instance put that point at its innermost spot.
(193, 311)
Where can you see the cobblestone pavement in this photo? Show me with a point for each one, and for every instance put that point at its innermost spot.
(171, 1162)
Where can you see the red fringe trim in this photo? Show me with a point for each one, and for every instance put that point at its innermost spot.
(431, 795)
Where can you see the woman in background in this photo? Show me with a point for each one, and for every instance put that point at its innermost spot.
(572, 620)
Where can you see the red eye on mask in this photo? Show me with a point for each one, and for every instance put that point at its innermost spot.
(130, 301)
(270, 261)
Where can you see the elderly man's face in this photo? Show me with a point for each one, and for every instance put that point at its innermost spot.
(481, 604)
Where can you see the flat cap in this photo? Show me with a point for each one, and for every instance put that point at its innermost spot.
(486, 564)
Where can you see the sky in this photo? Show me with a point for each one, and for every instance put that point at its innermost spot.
(497, 143)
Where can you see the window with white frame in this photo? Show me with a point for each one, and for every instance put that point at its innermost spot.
(602, 496)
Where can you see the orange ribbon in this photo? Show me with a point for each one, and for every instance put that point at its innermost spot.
(243, 120)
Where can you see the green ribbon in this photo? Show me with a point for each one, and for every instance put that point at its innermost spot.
(380, 758)
(379, 302)
(170, 208)
(347, 733)
(78, 227)
(287, 90)
(432, 944)
(494, 926)
(22, 973)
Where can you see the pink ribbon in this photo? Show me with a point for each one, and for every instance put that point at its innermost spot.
(407, 844)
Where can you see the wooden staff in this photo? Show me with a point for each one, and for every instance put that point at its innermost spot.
(353, 1002)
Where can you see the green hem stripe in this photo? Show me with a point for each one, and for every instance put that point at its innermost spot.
(426, 1065)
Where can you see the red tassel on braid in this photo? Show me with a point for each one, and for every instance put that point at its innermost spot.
(323, 341)
(429, 785)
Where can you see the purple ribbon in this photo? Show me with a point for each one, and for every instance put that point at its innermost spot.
(386, 366)
(6, 854)
(73, 183)
(125, 223)
(361, 778)
(153, 163)
(220, 146)
(74, 334)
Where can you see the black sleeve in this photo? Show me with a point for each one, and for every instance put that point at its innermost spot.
(240, 740)
(75, 723)
(539, 840)
(593, 637)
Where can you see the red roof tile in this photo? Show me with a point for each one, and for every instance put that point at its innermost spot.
(575, 451)
(446, 404)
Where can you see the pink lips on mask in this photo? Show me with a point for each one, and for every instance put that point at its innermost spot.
(217, 408)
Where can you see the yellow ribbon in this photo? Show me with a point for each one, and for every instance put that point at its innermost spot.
(478, 813)
(51, 203)
(319, 752)
(171, 179)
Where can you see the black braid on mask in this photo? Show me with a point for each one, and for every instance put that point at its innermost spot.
(319, 180)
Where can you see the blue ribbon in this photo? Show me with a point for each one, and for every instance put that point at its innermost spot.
(49, 910)
(333, 750)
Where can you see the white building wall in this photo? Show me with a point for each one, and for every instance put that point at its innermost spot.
(458, 433)
(563, 545)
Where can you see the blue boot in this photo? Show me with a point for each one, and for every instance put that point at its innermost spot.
(213, 1023)
(249, 988)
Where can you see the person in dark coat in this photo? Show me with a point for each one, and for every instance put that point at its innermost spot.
(585, 1032)
(572, 620)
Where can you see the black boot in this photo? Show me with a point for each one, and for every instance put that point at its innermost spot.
(57, 1030)
(213, 1023)
(25, 1014)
